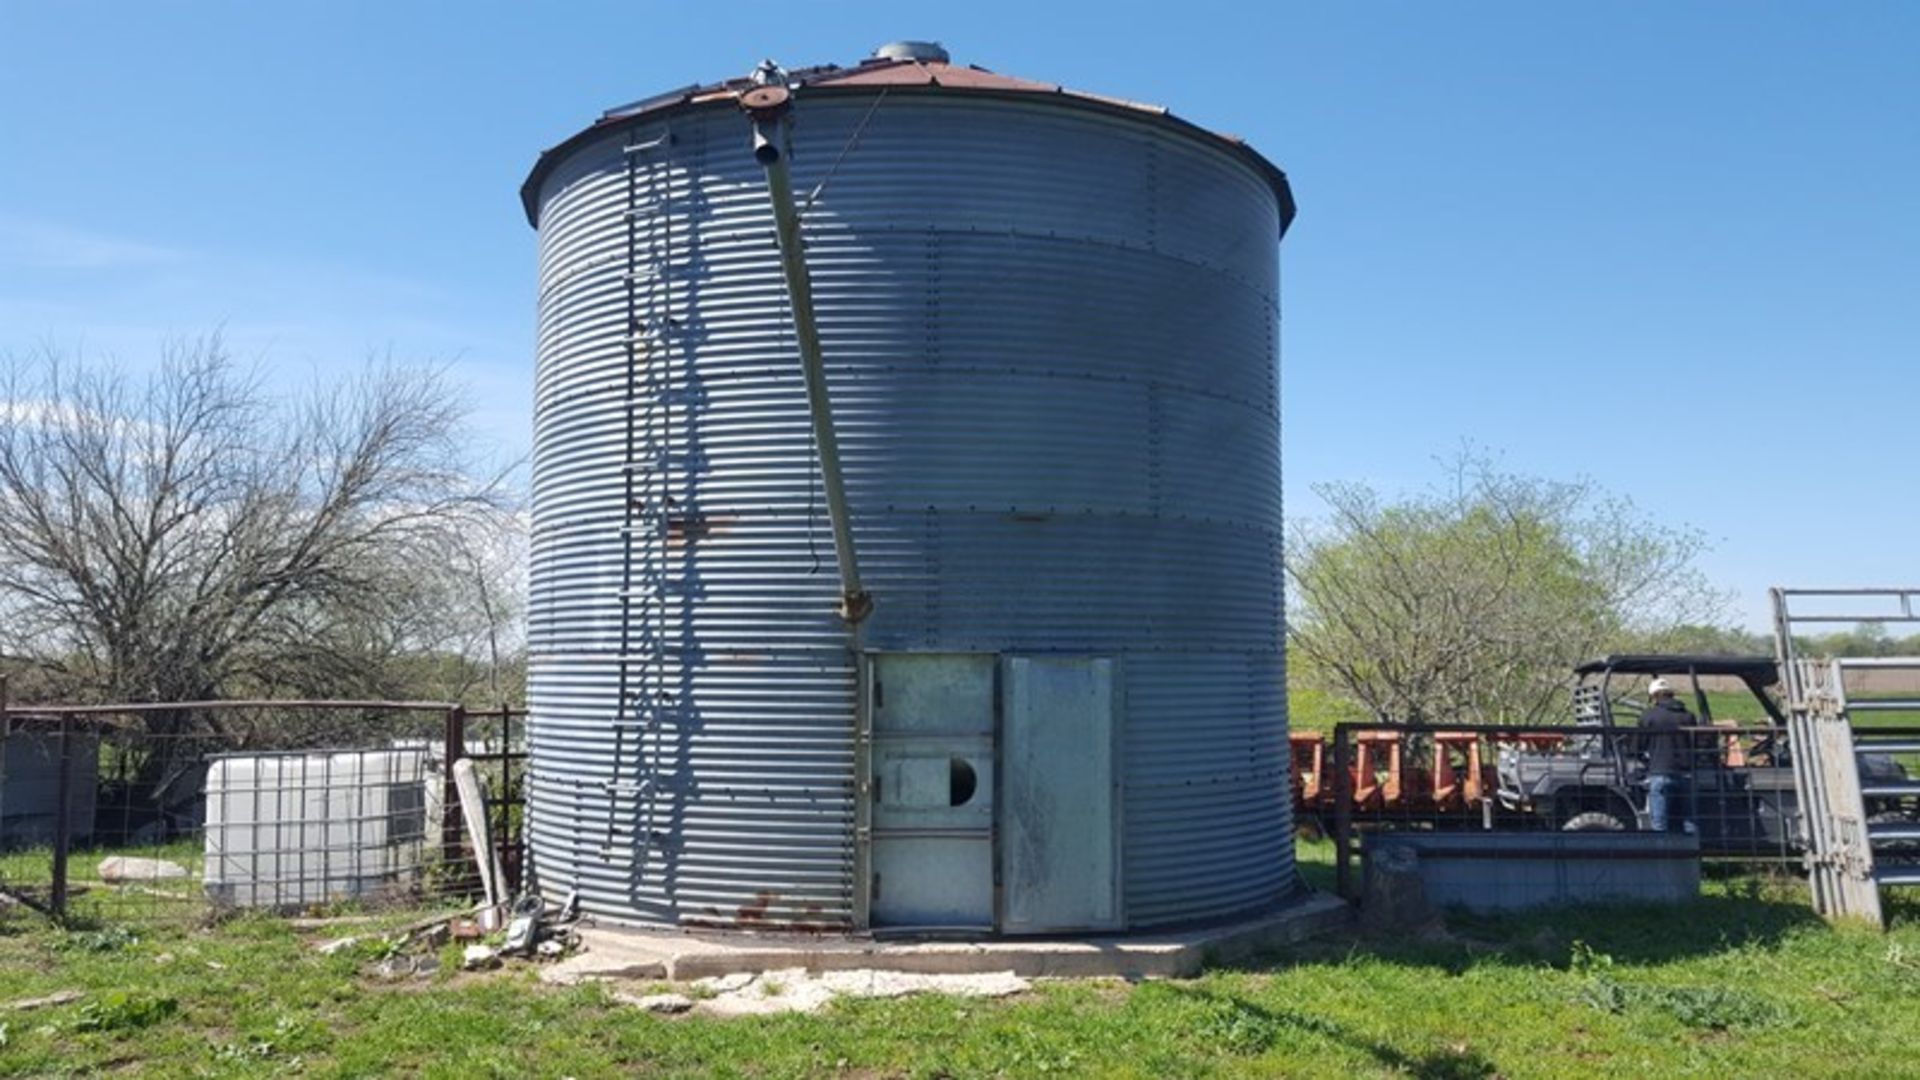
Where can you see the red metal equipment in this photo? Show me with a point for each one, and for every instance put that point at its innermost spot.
(1459, 779)
(1378, 773)
(1309, 753)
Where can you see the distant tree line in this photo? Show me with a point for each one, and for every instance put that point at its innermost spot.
(1867, 639)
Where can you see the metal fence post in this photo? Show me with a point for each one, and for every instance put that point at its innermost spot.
(450, 815)
(1342, 810)
(62, 820)
(6, 733)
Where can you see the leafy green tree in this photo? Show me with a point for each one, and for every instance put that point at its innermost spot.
(1471, 603)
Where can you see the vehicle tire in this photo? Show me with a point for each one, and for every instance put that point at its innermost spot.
(1593, 821)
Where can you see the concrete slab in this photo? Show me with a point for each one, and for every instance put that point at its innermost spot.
(619, 953)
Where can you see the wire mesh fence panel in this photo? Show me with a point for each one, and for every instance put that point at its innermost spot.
(192, 812)
(496, 744)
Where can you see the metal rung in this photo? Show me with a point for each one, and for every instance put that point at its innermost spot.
(1884, 705)
(660, 697)
(1891, 746)
(628, 787)
(1889, 791)
(653, 404)
(1893, 830)
(651, 144)
(1897, 875)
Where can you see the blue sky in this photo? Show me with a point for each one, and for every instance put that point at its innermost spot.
(1674, 247)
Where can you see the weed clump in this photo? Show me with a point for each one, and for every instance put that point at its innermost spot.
(105, 940)
(1704, 1008)
(119, 1010)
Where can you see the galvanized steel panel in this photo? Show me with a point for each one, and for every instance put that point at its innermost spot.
(1049, 333)
(1059, 860)
(932, 742)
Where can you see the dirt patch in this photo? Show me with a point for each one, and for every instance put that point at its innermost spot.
(797, 990)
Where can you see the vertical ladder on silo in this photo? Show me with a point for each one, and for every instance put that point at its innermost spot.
(646, 468)
(1851, 854)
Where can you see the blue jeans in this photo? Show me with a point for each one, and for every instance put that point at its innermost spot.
(1665, 793)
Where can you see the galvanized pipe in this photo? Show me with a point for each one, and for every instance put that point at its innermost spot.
(855, 603)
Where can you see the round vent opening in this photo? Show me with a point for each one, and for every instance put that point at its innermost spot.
(961, 782)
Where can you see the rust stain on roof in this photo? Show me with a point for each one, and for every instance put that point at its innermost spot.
(891, 74)
(929, 73)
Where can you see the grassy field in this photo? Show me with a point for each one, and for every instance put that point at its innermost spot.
(1743, 982)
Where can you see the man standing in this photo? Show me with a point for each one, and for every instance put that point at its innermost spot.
(1665, 745)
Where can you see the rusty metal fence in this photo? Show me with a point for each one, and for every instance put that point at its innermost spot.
(1730, 790)
(132, 812)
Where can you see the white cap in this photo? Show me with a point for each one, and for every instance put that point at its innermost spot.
(1659, 686)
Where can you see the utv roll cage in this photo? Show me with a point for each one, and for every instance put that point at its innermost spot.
(1593, 700)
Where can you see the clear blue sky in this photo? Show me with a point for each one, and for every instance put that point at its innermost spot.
(1672, 247)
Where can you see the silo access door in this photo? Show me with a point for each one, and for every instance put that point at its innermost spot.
(991, 778)
(1059, 796)
(930, 790)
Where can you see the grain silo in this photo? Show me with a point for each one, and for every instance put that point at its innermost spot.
(1042, 460)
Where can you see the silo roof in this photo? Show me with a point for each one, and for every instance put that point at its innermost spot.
(914, 75)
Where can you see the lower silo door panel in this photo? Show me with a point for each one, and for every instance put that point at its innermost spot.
(1059, 816)
(931, 783)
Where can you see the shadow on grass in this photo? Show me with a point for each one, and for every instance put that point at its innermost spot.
(1631, 933)
(1740, 906)
(1649, 933)
(1251, 1027)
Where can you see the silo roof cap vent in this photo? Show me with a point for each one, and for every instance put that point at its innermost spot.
(926, 51)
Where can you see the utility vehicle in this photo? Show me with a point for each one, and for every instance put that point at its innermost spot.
(1739, 792)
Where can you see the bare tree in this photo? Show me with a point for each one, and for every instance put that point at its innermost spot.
(186, 535)
(459, 636)
(1472, 604)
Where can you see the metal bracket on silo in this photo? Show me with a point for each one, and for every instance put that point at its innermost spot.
(766, 107)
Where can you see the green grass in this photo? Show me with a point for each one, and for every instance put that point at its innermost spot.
(1743, 982)
(184, 901)
(36, 864)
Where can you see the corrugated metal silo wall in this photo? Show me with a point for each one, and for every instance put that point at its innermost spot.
(1050, 336)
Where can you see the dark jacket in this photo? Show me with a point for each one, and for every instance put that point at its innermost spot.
(1660, 736)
